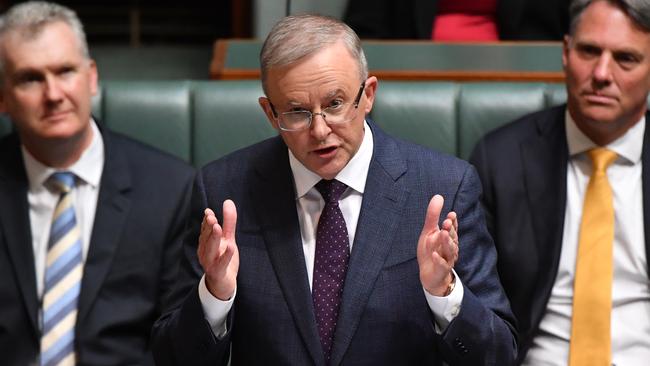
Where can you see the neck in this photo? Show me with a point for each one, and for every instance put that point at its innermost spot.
(605, 132)
(59, 153)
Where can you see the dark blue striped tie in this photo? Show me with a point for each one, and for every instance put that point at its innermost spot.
(63, 271)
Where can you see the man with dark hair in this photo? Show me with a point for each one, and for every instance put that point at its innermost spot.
(325, 245)
(90, 221)
(568, 201)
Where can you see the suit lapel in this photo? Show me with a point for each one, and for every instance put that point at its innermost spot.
(110, 218)
(279, 221)
(645, 177)
(15, 226)
(545, 163)
(382, 204)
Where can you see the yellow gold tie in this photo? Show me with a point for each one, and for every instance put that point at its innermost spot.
(592, 288)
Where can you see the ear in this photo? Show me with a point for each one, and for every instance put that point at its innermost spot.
(93, 76)
(369, 92)
(268, 111)
(566, 45)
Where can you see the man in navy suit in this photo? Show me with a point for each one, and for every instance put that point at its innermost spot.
(535, 173)
(129, 203)
(401, 290)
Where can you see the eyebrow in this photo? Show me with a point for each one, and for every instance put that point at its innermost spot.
(588, 43)
(335, 92)
(329, 95)
(26, 72)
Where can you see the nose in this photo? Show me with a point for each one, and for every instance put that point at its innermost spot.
(53, 91)
(319, 128)
(602, 72)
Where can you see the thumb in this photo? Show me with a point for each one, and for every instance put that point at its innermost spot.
(229, 219)
(433, 215)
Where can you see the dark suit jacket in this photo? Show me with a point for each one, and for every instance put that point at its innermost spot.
(131, 262)
(384, 317)
(523, 167)
(413, 19)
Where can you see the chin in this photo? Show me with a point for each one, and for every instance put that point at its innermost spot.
(326, 172)
(65, 131)
(600, 113)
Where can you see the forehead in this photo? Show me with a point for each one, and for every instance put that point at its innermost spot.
(331, 67)
(54, 43)
(604, 24)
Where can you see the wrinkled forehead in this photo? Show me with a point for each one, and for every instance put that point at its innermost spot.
(26, 32)
(331, 71)
(18, 35)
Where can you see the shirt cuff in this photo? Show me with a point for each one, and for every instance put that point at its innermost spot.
(446, 308)
(215, 310)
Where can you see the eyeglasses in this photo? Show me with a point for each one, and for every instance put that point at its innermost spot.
(334, 114)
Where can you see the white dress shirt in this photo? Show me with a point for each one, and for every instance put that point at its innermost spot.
(630, 322)
(309, 205)
(42, 201)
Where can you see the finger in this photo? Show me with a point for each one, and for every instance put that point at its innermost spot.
(206, 229)
(207, 212)
(208, 220)
(213, 246)
(431, 245)
(432, 215)
(448, 225)
(445, 246)
(225, 258)
(440, 262)
(229, 219)
(454, 225)
(454, 219)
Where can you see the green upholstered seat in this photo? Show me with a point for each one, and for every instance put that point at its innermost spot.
(485, 106)
(200, 121)
(555, 94)
(421, 112)
(156, 112)
(227, 117)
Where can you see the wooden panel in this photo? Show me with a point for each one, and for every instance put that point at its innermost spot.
(419, 60)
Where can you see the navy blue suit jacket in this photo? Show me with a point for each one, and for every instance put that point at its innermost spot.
(131, 263)
(384, 317)
(523, 168)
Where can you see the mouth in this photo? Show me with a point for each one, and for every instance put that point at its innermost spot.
(599, 98)
(56, 116)
(326, 152)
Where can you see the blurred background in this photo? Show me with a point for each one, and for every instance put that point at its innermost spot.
(123, 34)
(166, 39)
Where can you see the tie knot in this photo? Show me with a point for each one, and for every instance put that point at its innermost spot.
(331, 190)
(601, 159)
(62, 181)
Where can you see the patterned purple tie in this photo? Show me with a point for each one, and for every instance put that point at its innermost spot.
(330, 262)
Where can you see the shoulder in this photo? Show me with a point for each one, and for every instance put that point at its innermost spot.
(142, 159)
(243, 161)
(418, 159)
(529, 125)
(11, 160)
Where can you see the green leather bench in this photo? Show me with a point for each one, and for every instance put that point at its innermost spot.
(202, 120)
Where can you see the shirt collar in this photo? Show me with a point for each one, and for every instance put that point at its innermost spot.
(629, 146)
(354, 174)
(88, 168)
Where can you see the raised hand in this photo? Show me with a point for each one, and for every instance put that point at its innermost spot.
(218, 253)
(437, 249)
